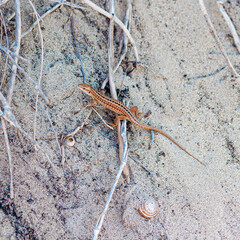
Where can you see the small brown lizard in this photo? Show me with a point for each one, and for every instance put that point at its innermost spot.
(125, 113)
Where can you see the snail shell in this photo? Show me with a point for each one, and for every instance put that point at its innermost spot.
(70, 141)
(148, 208)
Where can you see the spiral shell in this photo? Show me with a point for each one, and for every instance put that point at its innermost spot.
(70, 141)
(148, 208)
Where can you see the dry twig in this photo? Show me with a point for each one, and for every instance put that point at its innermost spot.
(16, 51)
(214, 34)
(124, 41)
(220, 4)
(71, 134)
(76, 46)
(45, 112)
(41, 71)
(34, 83)
(3, 2)
(4, 70)
(14, 122)
(41, 18)
(9, 157)
(13, 54)
(122, 165)
(116, 19)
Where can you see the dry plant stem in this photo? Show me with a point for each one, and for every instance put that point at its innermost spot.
(229, 23)
(41, 71)
(72, 134)
(7, 109)
(110, 52)
(16, 51)
(122, 165)
(70, 4)
(125, 42)
(112, 84)
(41, 18)
(141, 164)
(13, 54)
(4, 70)
(214, 34)
(47, 115)
(27, 76)
(76, 46)
(80, 127)
(116, 19)
(101, 118)
(9, 157)
(14, 122)
(125, 171)
(3, 2)
(125, 38)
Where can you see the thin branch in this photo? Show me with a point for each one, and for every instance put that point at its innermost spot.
(122, 165)
(236, 39)
(126, 171)
(76, 46)
(41, 18)
(46, 113)
(125, 42)
(41, 71)
(70, 4)
(110, 52)
(3, 2)
(106, 14)
(14, 122)
(9, 157)
(27, 76)
(16, 51)
(214, 34)
(127, 23)
(101, 118)
(4, 70)
(112, 84)
(13, 54)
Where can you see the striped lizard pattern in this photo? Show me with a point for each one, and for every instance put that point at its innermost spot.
(125, 113)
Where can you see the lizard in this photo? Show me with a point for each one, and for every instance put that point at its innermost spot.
(125, 113)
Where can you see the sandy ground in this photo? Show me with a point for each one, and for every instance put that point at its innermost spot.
(186, 84)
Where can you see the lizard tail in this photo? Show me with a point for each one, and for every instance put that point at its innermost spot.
(174, 141)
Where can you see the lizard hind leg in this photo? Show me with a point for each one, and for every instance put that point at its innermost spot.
(134, 110)
(116, 121)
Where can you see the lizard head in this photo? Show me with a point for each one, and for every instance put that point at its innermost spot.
(85, 88)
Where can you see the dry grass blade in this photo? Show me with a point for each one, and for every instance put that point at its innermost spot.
(13, 54)
(16, 51)
(14, 122)
(45, 112)
(4, 70)
(41, 18)
(127, 23)
(110, 52)
(35, 84)
(9, 157)
(70, 4)
(71, 134)
(3, 2)
(101, 118)
(214, 34)
(41, 71)
(106, 14)
(76, 46)
(98, 226)
(229, 23)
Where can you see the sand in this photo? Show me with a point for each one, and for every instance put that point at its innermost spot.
(183, 80)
